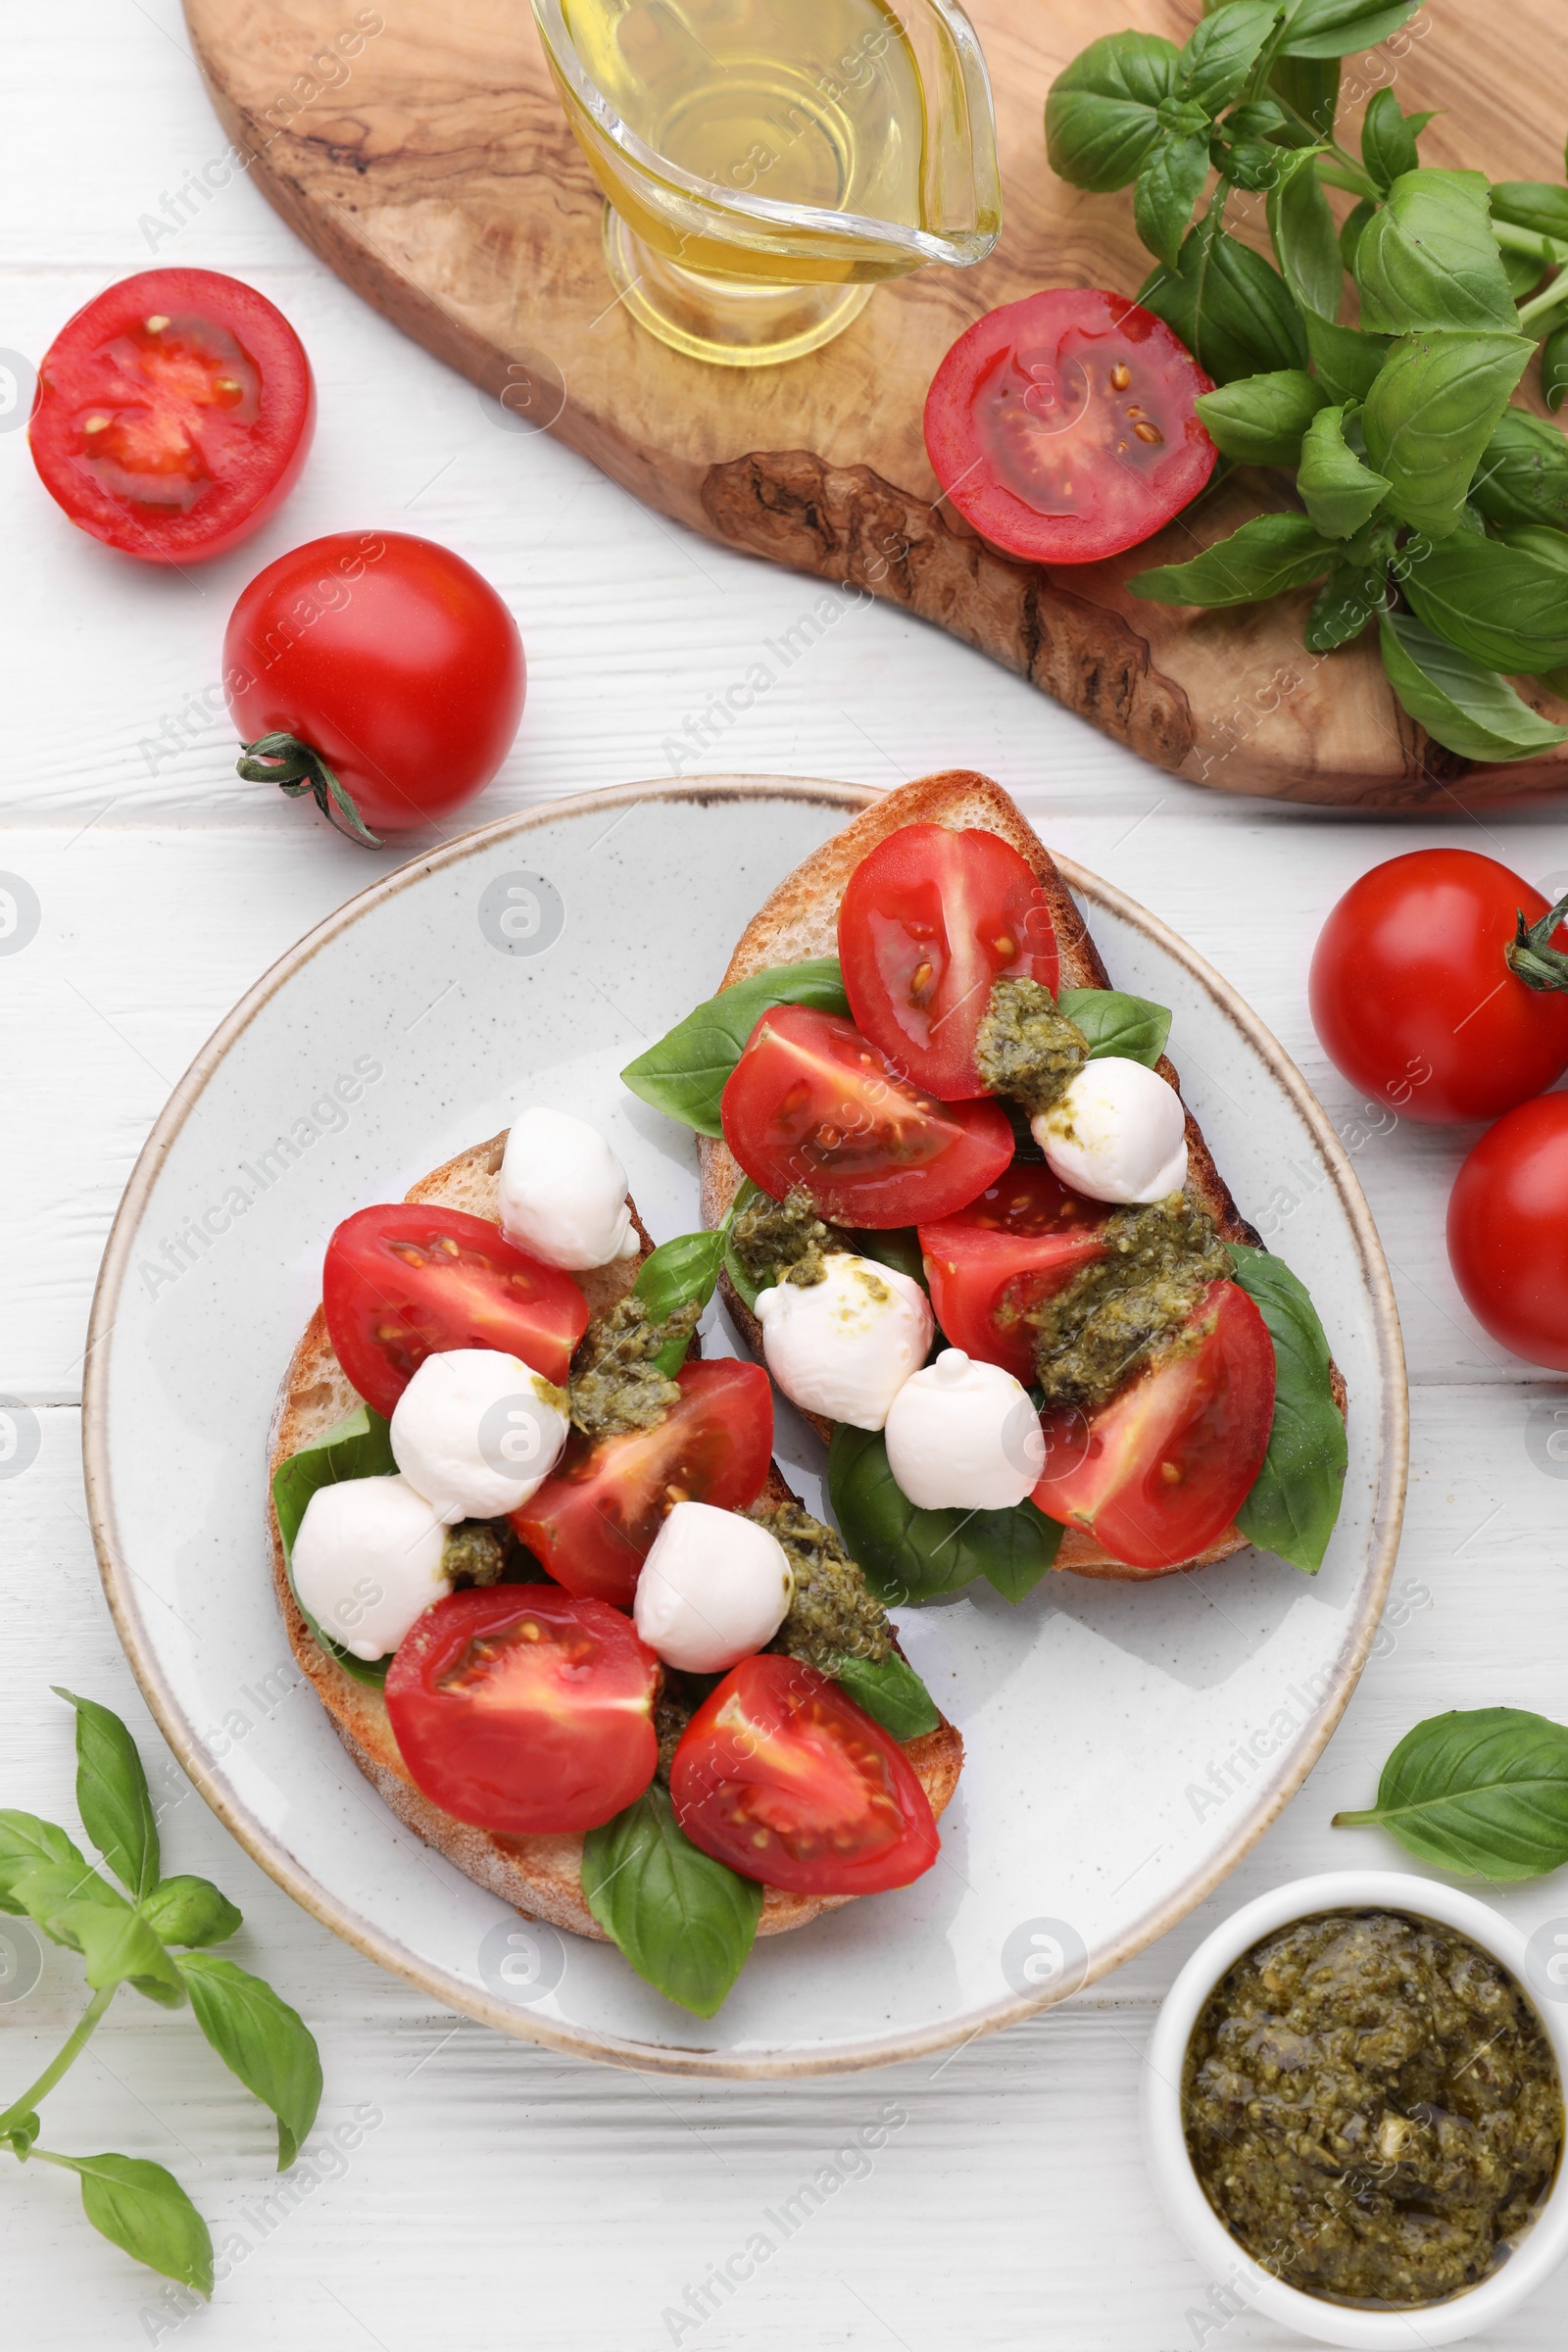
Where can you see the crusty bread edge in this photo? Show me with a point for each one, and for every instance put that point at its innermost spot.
(540, 1876)
(800, 919)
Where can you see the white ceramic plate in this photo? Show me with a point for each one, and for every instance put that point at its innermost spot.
(528, 962)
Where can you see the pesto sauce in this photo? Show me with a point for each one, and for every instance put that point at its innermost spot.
(1112, 1316)
(678, 1698)
(831, 1614)
(487, 1552)
(615, 1384)
(1025, 1048)
(783, 1241)
(1372, 2107)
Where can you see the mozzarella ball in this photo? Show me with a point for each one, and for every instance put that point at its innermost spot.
(1117, 1133)
(714, 1588)
(475, 1432)
(563, 1193)
(963, 1436)
(846, 1345)
(367, 1562)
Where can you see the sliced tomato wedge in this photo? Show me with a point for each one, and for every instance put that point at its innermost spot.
(593, 1522)
(522, 1710)
(1160, 1471)
(813, 1102)
(1063, 426)
(173, 413)
(783, 1777)
(1023, 1240)
(407, 1280)
(931, 918)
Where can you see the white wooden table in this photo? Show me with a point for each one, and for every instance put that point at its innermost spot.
(496, 2193)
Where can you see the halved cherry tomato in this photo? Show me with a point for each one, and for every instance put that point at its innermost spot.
(522, 1710)
(931, 918)
(410, 1280)
(593, 1522)
(813, 1102)
(1162, 1469)
(173, 413)
(1063, 426)
(1413, 998)
(782, 1776)
(1022, 1240)
(1508, 1232)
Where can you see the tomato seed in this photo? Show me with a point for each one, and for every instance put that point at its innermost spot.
(1005, 947)
(1121, 375)
(156, 323)
(1149, 432)
(1170, 1473)
(95, 424)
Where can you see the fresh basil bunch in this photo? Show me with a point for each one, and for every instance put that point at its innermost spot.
(153, 1938)
(1433, 507)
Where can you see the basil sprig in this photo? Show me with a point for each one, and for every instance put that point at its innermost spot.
(909, 1555)
(684, 1075)
(891, 1693)
(1483, 1793)
(358, 1445)
(684, 1922)
(1295, 1500)
(1410, 460)
(144, 1940)
(1114, 1022)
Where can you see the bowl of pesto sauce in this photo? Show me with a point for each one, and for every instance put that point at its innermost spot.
(1353, 2112)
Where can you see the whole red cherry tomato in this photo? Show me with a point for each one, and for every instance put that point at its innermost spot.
(1508, 1231)
(522, 1710)
(930, 919)
(1437, 984)
(377, 673)
(173, 413)
(783, 1777)
(1063, 426)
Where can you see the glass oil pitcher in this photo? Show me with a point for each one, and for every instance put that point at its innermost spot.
(768, 162)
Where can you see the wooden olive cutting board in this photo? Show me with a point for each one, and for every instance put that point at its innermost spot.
(419, 148)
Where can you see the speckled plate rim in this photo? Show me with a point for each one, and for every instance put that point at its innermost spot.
(389, 1952)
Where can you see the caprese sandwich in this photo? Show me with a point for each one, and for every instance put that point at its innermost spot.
(564, 1614)
(975, 1233)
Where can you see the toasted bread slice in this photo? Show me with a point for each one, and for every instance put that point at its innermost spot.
(801, 920)
(541, 1875)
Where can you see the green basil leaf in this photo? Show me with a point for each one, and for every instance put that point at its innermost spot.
(685, 1073)
(21, 2134)
(1168, 186)
(910, 1556)
(1101, 115)
(1260, 419)
(1555, 368)
(1537, 204)
(356, 1447)
(118, 1947)
(1352, 229)
(1346, 600)
(1430, 415)
(1338, 492)
(25, 1842)
(1113, 1022)
(1483, 1793)
(47, 1891)
(1266, 556)
(1468, 708)
(1429, 261)
(896, 1246)
(1345, 362)
(1540, 540)
(1388, 139)
(684, 1922)
(1310, 88)
(1216, 63)
(1504, 605)
(1233, 311)
(1523, 271)
(1523, 474)
(260, 2040)
(1305, 240)
(190, 1911)
(111, 1795)
(740, 1281)
(682, 1272)
(1295, 1500)
(891, 1693)
(1333, 27)
(141, 2209)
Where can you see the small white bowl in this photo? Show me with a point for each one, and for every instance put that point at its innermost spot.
(1241, 2280)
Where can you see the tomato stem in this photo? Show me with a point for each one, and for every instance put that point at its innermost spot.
(1529, 955)
(282, 760)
